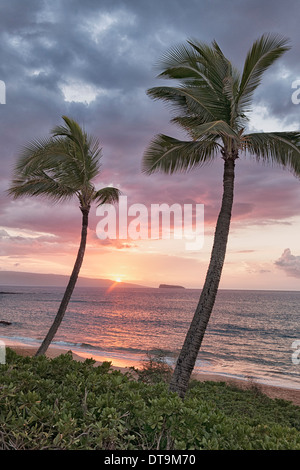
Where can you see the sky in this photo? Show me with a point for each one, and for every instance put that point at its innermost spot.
(94, 61)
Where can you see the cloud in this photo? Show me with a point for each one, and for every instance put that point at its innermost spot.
(95, 60)
(289, 263)
(4, 234)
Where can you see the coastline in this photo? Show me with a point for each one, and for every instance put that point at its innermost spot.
(272, 391)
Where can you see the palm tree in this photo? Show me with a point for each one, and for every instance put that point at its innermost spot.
(211, 100)
(59, 168)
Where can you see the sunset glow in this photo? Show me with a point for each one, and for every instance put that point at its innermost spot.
(113, 286)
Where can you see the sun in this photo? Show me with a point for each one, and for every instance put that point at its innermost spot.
(118, 279)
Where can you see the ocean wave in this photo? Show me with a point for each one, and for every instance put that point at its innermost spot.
(70, 344)
(19, 339)
(75, 301)
(13, 339)
(93, 302)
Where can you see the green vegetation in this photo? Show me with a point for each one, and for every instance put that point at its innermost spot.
(65, 404)
(154, 368)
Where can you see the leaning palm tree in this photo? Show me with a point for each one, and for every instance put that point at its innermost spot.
(59, 168)
(211, 100)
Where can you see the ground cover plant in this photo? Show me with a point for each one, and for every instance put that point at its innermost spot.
(61, 403)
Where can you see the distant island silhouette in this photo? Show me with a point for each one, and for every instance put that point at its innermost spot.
(170, 286)
(28, 279)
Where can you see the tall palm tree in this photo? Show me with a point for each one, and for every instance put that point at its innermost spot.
(59, 168)
(211, 99)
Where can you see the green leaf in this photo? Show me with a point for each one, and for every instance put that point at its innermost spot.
(264, 52)
(279, 148)
(108, 195)
(169, 155)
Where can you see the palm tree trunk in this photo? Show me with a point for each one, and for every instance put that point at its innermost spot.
(188, 355)
(70, 287)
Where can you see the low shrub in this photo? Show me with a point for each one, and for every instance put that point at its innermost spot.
(154, 368)
(65, 404)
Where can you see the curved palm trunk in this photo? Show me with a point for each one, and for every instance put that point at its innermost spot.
(70, 287)
(188, 355)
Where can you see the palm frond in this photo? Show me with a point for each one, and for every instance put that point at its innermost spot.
(197, 64)
(40, 185)
(264, 52)
(108, 195)
(93, 157)
(88, 151)
(56, 155)
(169, 155)
(72, 130)
(279, 148)
(181, 62)
(191, 101)
(43, 152)
(208, 82)
(219, 71)
(205, 130)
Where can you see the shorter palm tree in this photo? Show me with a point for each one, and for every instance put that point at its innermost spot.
(59, 168)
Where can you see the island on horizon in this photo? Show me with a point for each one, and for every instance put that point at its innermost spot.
(161, 286)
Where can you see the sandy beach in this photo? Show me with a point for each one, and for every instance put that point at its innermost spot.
(273, 392)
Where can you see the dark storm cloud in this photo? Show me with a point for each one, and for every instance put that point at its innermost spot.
(112, 47)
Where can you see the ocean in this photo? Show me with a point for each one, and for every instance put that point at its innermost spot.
(251, 334)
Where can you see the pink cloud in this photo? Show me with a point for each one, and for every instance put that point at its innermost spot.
(289, 263)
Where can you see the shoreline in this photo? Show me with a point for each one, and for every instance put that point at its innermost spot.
(272, 391)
